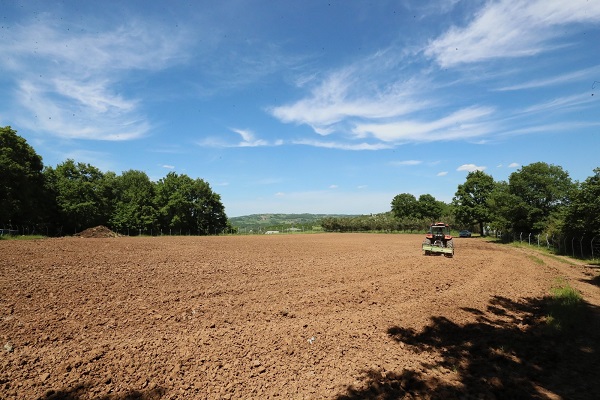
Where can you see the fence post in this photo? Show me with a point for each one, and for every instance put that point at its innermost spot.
(581, 246)
(521, 237)
(529, 239)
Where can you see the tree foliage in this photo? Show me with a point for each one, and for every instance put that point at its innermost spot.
(582, 216)
(83, 195)
(471, 200)
(74, 196)
(21, 180)
(134, 202)
(539, 193)
(428, 208)
(404, 205)
(186, 204)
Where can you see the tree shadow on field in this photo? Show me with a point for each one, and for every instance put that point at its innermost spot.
(83, 392)
(509, 352)
(594, 281)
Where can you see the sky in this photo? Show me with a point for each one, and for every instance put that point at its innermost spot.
(324, 107)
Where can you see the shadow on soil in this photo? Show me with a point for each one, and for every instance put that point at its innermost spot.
(83, 392)
(594, 281)
(509, 352)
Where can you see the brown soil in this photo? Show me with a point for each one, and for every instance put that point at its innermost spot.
(323, 316)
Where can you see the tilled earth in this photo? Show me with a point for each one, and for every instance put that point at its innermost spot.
(315, 316)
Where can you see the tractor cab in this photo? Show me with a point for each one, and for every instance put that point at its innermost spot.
(439, 231)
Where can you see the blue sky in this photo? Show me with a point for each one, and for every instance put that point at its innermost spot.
(306, 106)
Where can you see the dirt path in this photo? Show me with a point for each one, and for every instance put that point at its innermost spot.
(337, 316)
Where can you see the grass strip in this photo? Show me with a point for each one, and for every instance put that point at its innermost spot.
(566, 309)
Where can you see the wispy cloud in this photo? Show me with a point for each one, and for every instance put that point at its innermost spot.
(342, 146)
(510, 28)
(576, 76)
(248, 140)
(461, 124)
(405, 163)
(344, 95)
(69, 83)
(443, 173)
(561, 103)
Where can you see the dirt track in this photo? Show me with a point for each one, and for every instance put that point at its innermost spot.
(336, 316)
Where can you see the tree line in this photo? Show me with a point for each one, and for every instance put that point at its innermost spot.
(73, 196)
(539, 198)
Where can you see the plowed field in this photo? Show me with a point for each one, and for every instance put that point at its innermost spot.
(322, 316)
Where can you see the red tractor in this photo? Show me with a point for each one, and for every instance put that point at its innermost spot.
(438, 240)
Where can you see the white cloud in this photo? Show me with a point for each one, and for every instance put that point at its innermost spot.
(406, 162)
(168, 166)
(510, 28)
(333, 186)
(470, 168)
(514, 165)
(443, 173)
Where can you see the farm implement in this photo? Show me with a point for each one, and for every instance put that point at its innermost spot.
(438, 240)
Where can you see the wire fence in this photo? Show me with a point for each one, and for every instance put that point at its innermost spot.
(584, 247)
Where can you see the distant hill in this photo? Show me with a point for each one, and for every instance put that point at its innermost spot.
(280, 221)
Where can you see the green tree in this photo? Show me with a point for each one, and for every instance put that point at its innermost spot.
(501, 204)
(21, 180)
(404, 206)
(133, 202)
(189, 205)
(582, 217)
(428, 208)
(471, 200)
(83, 195)
(542, 189)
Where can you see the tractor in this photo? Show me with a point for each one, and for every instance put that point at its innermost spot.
(438, 240)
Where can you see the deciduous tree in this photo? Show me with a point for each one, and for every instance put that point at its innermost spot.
(542, 190)
(134, 202)
(471, 200)
(21, 180)
(83, 195)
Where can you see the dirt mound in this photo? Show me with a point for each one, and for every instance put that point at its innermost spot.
(97, 232)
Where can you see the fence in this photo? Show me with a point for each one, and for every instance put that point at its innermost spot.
(584, 247)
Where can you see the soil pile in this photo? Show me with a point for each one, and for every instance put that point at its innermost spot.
(97, 232)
